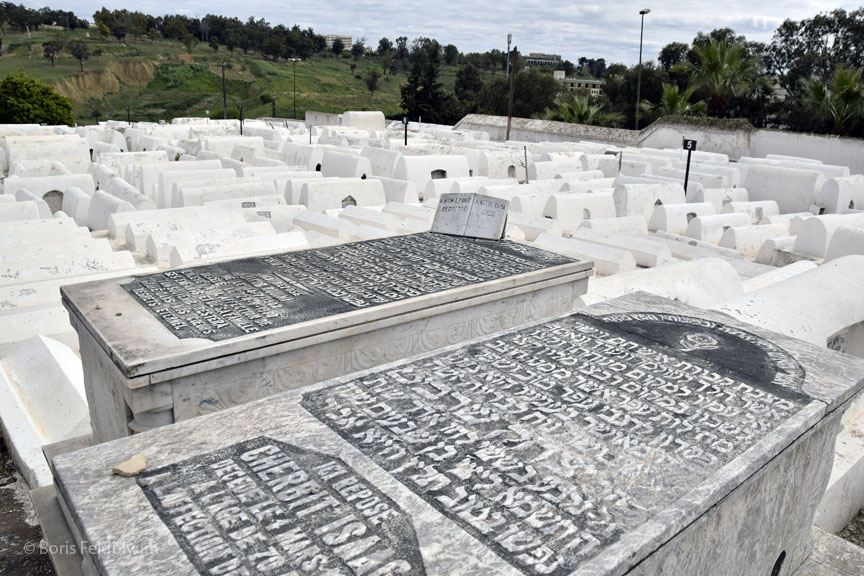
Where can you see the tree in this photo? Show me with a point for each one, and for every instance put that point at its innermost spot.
(26, 100)
(724, 71)
(533, 92)
(189, 41)
(104, 31)
(139, 25)
(401, 48)
(620, 88)
(273, 47)
(468, 83)
(51, 50)
(79, 51)
(387, 61)
(422, 95)
(338, 46)
(674, 102)
(672, 54)
(372, 81)
(839, 101)
(174, 29)
(580, 111)
(214, 43)
(451, 54)
(358, 48)
(384, 46)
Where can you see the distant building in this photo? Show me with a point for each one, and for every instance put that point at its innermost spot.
(543, 59)
(593, 86)
(330, 38)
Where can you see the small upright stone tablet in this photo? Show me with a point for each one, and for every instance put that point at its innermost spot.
(471, 215)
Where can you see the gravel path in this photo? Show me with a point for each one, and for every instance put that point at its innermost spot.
(854, 532)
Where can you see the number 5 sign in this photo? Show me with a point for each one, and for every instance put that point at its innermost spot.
(690, 146)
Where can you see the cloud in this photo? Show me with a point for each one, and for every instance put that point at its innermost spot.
(591, 29)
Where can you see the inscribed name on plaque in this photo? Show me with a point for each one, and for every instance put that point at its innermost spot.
(245, 296)
(547, 444)
(268, 508)
(471, 215)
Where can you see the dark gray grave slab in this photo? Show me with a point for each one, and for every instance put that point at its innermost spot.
(641, 436)
(171, 346)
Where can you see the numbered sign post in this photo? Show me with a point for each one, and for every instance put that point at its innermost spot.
(690, 146)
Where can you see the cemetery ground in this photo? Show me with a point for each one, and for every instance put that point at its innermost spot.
(19, 529)
(160, 78)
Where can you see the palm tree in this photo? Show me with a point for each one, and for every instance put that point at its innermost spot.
(580, 111)
(674, 102)
(840, 101)
(725, 71)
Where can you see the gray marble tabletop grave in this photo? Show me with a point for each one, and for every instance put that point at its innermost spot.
(573, 446)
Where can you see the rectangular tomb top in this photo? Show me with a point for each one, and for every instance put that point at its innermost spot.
(159, 321)
(574, 446)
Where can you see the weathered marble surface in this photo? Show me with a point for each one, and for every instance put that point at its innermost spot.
(302, 317)
(595, 443)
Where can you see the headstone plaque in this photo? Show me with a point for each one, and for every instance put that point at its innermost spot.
(471, 215)
(269, 508)
(549, 443)
(638, 434)
(222, 301)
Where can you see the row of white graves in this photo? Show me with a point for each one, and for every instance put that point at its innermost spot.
(159, 198)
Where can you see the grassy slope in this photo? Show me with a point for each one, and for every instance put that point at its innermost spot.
(179, 83)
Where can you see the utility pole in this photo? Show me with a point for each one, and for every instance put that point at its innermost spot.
(509, 38)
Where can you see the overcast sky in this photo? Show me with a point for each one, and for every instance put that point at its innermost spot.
(607, 30)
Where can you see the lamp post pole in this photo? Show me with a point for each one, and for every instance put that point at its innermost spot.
(294, 61)
(639, 73)
(224, 95)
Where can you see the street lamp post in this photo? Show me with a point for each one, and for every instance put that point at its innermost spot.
(224, 95)
(294, 61)
(639, 73)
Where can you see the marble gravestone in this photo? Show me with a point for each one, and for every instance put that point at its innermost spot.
(639, 437)
(171, 346)
(471, 215)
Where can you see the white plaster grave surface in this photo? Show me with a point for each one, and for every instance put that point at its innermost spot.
(159, 245)
(674, 218)
(718, 196)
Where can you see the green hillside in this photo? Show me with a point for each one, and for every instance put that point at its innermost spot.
(160, 79)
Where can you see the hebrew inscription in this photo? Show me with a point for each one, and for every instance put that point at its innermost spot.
(267, 508)
(222, 301)
(548, 443)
